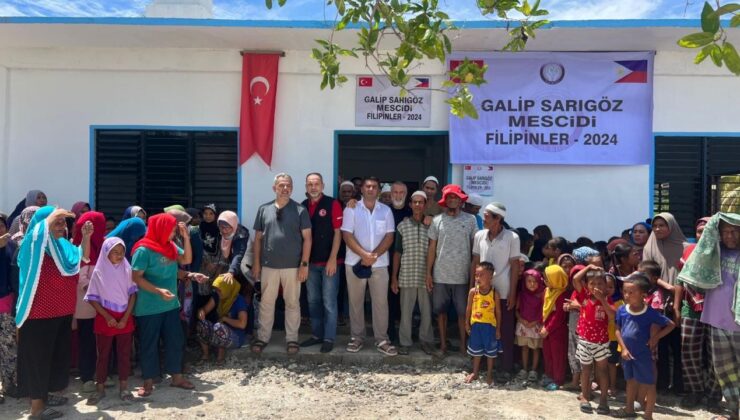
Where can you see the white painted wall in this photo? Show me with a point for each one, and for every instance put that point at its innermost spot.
(53, 96)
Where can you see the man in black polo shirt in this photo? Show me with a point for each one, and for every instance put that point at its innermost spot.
(323, 279)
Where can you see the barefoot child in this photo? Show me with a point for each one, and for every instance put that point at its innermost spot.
(529, 322)
(593, 341)
(481, 321)
(555, 327)
(112, 293)
(635, 320)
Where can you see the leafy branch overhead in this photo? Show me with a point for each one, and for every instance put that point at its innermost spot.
(394, 36)
(713, 38)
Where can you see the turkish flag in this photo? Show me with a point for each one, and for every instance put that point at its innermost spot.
(259, 89)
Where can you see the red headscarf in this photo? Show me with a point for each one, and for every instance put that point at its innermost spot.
(157, 236)
(98, 236)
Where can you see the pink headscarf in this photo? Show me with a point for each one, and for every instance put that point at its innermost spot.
(111, 284)
(232, 220)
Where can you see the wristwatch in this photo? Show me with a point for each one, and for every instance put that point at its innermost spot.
(304, 263)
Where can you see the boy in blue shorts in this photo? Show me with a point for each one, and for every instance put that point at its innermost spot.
(638, 339)
(481, 321)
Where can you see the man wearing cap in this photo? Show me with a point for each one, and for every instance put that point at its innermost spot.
(368, 232)
(322, 286)
(500, 247)
(448, 261)
(346, 192)
(430, 187)
(409, 275)
(473, 206)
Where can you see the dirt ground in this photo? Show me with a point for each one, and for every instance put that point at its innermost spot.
(263, 389)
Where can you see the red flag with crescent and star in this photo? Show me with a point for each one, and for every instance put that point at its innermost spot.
(257, 119)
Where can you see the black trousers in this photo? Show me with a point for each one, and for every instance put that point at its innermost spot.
(87, 356)
(44, 351)
(670, 374)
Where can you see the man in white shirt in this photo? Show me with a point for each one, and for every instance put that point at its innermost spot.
(368, 231)
(500, 247)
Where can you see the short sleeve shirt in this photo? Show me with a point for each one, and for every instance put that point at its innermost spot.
(498, 252)
(718, 302)
(161, 272)
(282, 233)
(593, 323)
(635, 327)
(454, 236)
(239, 305)
(369, 229)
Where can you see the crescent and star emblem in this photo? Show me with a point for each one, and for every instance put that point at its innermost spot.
(255, 80)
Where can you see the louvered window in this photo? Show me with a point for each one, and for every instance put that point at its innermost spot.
(157, 168)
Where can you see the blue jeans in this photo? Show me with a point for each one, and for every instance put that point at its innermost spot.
(322, 302)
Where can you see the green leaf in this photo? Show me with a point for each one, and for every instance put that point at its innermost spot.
(731, 59)
(281, 3)
(709, 21)
(268, 3)
(727, 8)
(526, 8)
(703, 54)
(340, 7)
(716, 55)
(735, 21)
(696, 40)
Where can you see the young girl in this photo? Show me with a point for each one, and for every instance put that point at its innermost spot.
(554, 330)
(224, 328)
(112, 293)
(529, 322)
(481, 321)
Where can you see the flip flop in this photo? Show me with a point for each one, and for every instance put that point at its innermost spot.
(184, 384)
(292, 348)
(258, 346)
(143, 392)
(125, 396)
(47, 414)
(53, 400)
(586, 408)
(603, 410)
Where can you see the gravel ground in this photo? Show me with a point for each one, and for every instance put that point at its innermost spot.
(254, 388)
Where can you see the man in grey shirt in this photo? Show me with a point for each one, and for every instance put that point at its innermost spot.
(448, 261)
(282, 245)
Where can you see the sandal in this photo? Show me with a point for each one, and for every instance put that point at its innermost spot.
(47, 415)
(125, 396)
(258, 346)
(586, 408)
(95, 398)
(603, 410)
(293, 347)
(144, 391)
(386, 348)
(183, 384)
(354, 345)
(622, 413)
(53, 400)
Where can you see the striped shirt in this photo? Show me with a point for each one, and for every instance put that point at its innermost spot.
(412, 243)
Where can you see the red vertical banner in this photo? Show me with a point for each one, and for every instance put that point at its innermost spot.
(257, 119)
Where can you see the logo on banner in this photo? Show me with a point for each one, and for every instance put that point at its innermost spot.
(552, 73)
(365, 81)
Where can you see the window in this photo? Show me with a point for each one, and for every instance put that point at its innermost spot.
(696, 176)
(158, 168)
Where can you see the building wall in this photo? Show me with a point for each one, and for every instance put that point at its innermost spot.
(49, 99)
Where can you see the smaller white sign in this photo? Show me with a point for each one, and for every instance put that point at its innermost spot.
(380, 104)
(478, 179)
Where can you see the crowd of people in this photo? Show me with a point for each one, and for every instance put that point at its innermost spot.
(79, 289)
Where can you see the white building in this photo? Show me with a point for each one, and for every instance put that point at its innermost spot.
(74, 91)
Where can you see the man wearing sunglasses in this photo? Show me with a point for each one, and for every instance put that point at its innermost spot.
(500, 246)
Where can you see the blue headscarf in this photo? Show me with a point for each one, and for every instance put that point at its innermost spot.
(37, 242)
(583, 253)
(130, 230)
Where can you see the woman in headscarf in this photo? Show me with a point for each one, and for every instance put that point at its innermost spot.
(639, 234)
(211, 237)
(134, 211)
(157, 310)
(33, 198)
(8, 348)
(541, 234)
(79, 208)
(130, 230)
(714, 266)
(49, 265)
(233, 244)
(224, 327)
(23, 221)
(84, 317)
(698, 374)
(665, 246)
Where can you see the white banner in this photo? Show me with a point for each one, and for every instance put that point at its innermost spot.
(478, 179)
(379, 104)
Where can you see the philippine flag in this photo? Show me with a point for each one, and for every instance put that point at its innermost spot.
(637, 71)
(422, 82)
(365, 81)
